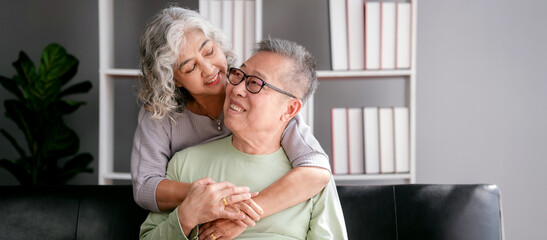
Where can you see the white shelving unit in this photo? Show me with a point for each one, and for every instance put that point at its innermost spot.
(107, 75)
(410, 75)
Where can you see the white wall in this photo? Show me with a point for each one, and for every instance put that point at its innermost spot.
(481, 80)
(482, 112)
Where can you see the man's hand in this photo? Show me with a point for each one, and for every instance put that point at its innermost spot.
(222, 229)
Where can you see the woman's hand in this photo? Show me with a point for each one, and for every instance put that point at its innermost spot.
(207, 201)
(221, 229)
(252, 210)
(228, 229)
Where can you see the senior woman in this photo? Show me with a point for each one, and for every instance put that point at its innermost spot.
(184, 61)
(275, 79)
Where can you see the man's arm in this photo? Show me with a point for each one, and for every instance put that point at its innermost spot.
(166, 226)
(327, 220)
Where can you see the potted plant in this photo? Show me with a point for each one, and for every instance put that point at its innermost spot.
(52, 154)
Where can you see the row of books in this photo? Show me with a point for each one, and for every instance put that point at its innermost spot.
(237, 20)
(370, 140)
(370, 35)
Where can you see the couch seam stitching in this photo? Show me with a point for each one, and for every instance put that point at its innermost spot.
(395, 211)
(78, 219)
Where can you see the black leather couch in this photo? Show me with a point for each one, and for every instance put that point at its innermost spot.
(371, 212)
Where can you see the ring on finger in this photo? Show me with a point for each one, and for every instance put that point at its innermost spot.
(224, 201)
(213, 236)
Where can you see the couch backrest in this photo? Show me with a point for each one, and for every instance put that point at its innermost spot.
(371, 212)
(69, 212)
(448, 212)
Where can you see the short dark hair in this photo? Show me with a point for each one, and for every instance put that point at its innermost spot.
(302, 79)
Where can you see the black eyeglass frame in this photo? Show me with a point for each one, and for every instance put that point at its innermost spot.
(264, 83)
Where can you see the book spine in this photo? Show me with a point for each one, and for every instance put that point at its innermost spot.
(338, 34)
(371, 140)
(355, 141)
(356, 29)
(340, 163)
(372, 35)
(387, 159)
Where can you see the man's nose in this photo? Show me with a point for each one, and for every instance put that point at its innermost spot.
(240, 89)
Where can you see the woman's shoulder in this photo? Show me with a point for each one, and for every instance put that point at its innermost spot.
(148, 118)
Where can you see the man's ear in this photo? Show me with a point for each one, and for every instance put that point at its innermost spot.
(293, 107)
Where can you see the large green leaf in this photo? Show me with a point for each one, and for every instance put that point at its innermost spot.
(71, 72)
(82, 87)
(57, 64)
(14, 143)
(61, 142)
(25, 68)
(11, 86)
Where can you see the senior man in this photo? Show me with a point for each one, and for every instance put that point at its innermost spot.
(275, 78)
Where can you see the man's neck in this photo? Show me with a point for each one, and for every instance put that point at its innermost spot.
(257, 143)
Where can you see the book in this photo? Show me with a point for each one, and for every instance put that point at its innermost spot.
(215, 13)
(401, 132)
(249, 31)
(355, 141)
(404, 23)
(371, 140)
(387, 44)
(372, 35)
(338, 35)
(307, 112)
(204, 8)
(227, 21)
(238, 37)
(385, 124)
(356, 34)
(339, 132)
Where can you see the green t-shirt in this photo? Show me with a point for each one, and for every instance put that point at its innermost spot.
(318, 218)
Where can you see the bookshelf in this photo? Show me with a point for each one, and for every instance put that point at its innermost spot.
(409, 76)
(108, 75)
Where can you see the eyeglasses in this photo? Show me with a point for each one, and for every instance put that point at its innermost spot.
(253, 83)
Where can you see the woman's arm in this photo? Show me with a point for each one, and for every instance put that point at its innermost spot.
(298, 185)
(170, 194)
(149, 158)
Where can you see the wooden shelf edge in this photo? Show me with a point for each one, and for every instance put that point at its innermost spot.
(119, 72)
(360, 177)
(365, 73)
(117, 176)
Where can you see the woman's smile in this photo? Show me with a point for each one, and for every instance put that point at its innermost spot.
(214, 81)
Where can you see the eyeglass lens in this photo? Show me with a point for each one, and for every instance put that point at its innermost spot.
(253, 84)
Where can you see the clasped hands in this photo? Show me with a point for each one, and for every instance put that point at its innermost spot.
(225, 210)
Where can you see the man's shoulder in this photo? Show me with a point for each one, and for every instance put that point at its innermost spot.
(205, 147)
(219, 143)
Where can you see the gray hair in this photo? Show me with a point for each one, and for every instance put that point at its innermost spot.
(159, 51)
(302, 78)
